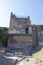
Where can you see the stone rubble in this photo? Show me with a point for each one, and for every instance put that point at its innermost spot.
(20, 61)
(35, 59)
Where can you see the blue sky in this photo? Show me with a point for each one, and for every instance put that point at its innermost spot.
(25, 8)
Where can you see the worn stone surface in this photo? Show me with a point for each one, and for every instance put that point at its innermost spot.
(35, 59)
(26, 40)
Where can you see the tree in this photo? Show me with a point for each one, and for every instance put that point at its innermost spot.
(41, 27)
(3, 36)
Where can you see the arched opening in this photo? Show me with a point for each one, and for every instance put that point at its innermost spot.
(26, 30)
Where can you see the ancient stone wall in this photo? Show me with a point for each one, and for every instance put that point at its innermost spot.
(20, 40)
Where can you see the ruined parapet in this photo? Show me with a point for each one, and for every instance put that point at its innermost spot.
(20, 22)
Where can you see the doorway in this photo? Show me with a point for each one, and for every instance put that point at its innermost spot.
(26, 30)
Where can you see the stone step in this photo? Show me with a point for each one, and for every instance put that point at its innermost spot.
(24, 51)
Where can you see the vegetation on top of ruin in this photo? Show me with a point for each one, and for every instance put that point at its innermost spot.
(41, 27)
(37, 25)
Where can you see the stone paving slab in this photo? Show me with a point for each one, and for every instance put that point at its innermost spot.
(5, 61)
